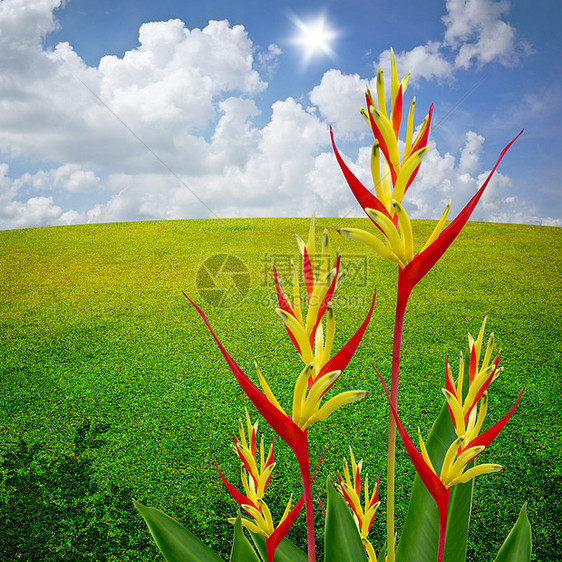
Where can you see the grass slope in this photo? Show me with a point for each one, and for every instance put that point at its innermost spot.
(111, 387)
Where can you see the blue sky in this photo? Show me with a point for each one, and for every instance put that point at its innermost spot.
(118, 110)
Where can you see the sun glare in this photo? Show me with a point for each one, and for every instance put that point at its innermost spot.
(314, 37)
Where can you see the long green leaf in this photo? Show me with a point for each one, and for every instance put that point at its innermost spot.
(419, 537)
(518, 545)
(285, 552)
(242, 550)
(175, 542)
(342, 541)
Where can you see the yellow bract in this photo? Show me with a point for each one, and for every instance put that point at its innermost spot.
(452, 470)
(307, 397)
(263, 522)
(388, 123)
(397, 243)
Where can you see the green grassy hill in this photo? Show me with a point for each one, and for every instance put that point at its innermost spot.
(111, 387)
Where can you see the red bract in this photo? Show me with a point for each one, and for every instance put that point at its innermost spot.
(364, 197)
(488, 436)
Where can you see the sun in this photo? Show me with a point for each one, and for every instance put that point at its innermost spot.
(314, 37)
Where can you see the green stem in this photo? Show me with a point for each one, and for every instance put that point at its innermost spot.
(401, 301)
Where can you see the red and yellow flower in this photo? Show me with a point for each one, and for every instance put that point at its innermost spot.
(255, 479)
(468, 443)
(313, 342)
(384, 207)
(363, 512)
(314, 381)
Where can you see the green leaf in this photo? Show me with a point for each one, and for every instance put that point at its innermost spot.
(458, 520)
(518, 544)
(342, 541)
(175, 542)
(285, 552)
(242, 550)
(419, 537)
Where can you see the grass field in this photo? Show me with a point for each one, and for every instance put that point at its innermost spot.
(111, 387)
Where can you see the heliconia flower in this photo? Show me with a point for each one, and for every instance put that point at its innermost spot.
(398, 171)
(384, 207)
(320, 372)
(255, 481)
(317, 377)
(480, 378)
(397, 243)
(452, 471)
(363, 514)
(465, 413)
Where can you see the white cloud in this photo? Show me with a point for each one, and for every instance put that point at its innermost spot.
(424, 61)
(36, 211)
(339, 97)
(477, 29)
(175, 74)
(31, 211)
(24, 24)
(20, 210)
(475, 33)
(470, 155)
(268, 61)
(68, 177)
(265, 171)
(166, 90)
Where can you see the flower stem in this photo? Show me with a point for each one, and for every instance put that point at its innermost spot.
(401, 301)
(304, 466)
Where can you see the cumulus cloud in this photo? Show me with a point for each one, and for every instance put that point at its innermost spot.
(475, 34)
(22, 212)
(55, 107)
(424, 61)
(477, 30)
(339, 97)
(470, 156)
(68, 177)
(262, 171)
